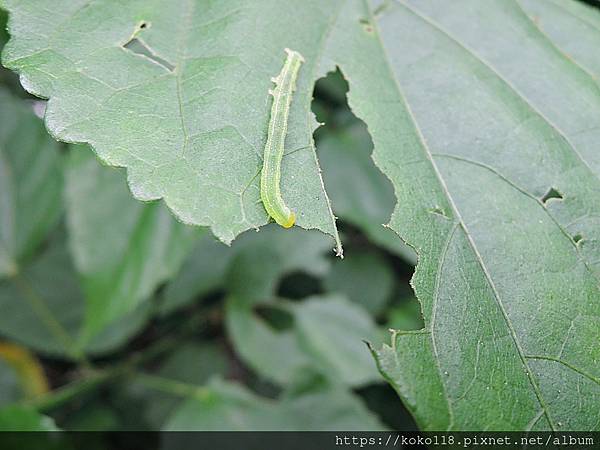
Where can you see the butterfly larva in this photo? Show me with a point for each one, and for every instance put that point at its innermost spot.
(270, 192)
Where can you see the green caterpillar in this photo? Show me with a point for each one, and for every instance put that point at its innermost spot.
(270, 180)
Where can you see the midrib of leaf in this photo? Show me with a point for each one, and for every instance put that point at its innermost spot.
(461, 223)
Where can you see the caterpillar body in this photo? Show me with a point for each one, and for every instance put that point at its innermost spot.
(270, 180)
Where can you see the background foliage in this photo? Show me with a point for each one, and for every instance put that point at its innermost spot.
(481, 114)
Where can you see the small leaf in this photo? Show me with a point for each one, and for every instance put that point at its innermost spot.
(203, 272)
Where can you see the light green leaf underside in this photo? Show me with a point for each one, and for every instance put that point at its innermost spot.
(184, 106)
(475, 116)
(123, 249)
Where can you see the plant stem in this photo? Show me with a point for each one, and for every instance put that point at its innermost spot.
(68, 392)
(94, 378)
(175, 387)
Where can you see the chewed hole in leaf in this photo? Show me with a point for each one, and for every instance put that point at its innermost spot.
(359, 192)
(138, 47)
(577, 238)
(344, 148)
(439, 211)
(552, 194)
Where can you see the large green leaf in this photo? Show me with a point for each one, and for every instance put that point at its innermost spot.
(30, 183)
(486, 129)
(123, 249)
(177, 92)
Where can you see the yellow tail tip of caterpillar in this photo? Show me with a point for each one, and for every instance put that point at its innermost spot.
(289, 223)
